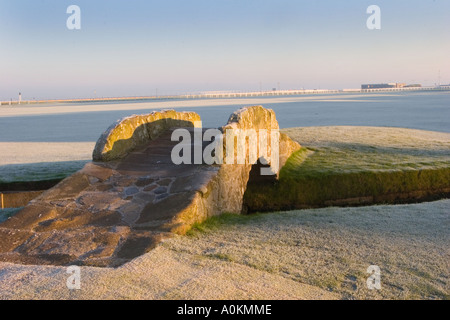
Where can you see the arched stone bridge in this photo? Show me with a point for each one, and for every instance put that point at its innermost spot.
(132, 195)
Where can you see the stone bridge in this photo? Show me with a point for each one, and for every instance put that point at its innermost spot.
(133, 195)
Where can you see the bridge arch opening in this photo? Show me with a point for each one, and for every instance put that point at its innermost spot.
(257, 179)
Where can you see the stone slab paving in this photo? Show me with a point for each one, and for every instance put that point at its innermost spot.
(133, 196)
(109, 212)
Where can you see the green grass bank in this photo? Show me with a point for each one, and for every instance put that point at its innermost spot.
(357, 166)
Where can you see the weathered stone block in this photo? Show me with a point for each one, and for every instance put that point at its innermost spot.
(128, 133)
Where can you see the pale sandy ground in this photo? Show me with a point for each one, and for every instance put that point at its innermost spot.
(28, 110)
(308, 254)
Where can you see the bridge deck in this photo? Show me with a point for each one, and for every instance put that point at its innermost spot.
(107, 213)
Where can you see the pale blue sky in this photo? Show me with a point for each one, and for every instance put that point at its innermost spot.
(132, 47)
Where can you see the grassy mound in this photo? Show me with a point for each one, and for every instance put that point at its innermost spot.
(358, 165)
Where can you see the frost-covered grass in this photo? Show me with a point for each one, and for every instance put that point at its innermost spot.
(306, 254)
(363, 149)
(332, 248)
(37, 161)
(39, 171)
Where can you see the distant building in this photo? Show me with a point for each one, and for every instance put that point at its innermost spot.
(378, 86)
(416, 85)
(383, 85)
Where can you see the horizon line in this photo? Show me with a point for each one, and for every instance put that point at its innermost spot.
(227, 94)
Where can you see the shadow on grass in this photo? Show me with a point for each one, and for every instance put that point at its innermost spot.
(228, 219)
